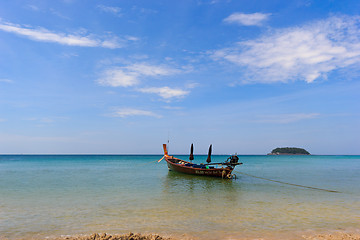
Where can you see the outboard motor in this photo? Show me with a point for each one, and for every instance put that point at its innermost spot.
(233, 160)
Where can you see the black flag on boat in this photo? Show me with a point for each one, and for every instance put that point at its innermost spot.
(208, 160)
(191, 153)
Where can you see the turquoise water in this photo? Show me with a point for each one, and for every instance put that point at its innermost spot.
(50, 196)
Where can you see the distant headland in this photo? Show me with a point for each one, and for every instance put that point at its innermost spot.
(289, 151)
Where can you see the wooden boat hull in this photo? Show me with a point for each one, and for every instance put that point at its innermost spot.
(224, 172)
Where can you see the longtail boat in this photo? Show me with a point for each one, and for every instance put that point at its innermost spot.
(223, 169)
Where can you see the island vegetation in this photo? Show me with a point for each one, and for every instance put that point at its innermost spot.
(289, 151)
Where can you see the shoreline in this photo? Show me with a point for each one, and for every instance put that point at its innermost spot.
(335, 235)
(329, 235)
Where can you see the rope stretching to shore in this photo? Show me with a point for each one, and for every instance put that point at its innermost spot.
(271, 180)
(292, 184)
(141, 164)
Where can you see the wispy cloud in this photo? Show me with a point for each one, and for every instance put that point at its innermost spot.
(173, 108)
(286, 118)
(32, 7)
(191, 85)
(129, 112)
(151, 70)
(132, 38)
(44, 10)
(113, 10)
(46, 120)
(118, 77)
(132, 75)
(129, 75)
(304, 53)
(253, 19)
(4, 80)
(41, 120)
(44, 35)
(165, 92)
(59, 14)
(69, 55)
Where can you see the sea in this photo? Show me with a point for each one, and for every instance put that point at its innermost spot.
(50, 196)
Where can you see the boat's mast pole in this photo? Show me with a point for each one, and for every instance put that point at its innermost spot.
(168, 141)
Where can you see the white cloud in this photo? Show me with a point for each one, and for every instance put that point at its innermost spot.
(253, 19)
(165, 92)
(69, 55)
(128, 112)
(173, 108)
(304, 53)
(129, 75)
(6, 80)
(117, 77)
(33, 7)
(151, 70)
(113, 10)
(42, 120)
(46, 120)
(139, 56)
(59, 14)
(113, 42)
(132, 38)
(287, 118)
(191, 85)
(44, 35)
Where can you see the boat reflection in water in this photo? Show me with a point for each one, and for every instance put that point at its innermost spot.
(199, 204)
(178, 183)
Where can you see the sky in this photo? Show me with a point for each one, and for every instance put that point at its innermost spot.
(125, 76)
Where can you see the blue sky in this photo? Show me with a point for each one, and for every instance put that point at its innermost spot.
(117, 76)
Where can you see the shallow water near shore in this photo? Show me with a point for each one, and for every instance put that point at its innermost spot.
(53, 195)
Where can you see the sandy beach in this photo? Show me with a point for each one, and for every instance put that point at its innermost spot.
(334, 236)
(137, 236)
(104, 236)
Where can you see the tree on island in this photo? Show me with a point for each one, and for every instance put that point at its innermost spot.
(289, 150)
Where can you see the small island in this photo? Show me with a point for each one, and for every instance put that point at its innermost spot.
(289, 151)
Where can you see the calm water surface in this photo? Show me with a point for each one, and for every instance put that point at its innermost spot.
(49, 196)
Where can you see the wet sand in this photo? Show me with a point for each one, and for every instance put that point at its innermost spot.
(136, 236)
(132, 236)
(334, 236)
(104, 236)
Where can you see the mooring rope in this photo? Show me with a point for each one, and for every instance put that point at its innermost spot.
(292, 184)
(146, 163)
